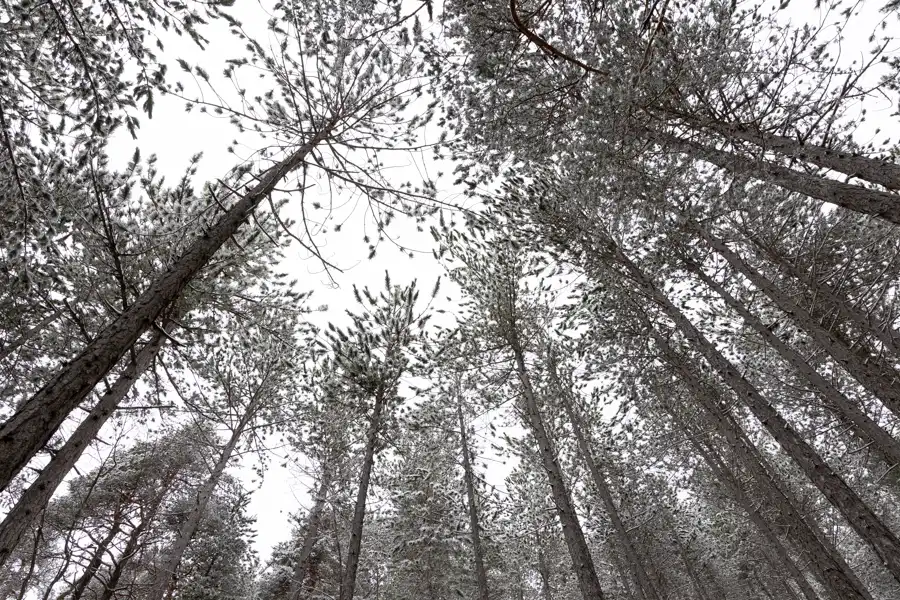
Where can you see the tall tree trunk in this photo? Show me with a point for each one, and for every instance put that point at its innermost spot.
(131, 547)
(642, 582)
(831, 569)
(543, 568)
(699, 587)
(882, 383)
(348, 581)
(469, 479)
(31, 426)
(873, 170)
(884, 332)
(863, 425)
(301, 566)
(582, 563)
(33, 501)
(857, 198)
(99, 553)
(785, 563)
(169, 568)
(858, 514)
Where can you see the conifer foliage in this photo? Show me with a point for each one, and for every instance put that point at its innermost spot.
(660, 359)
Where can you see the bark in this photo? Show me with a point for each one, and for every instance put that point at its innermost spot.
(831, 569)
(169, 568)
(132, 546)
(301, 566)
(348, 581)
(31, 426)
(863, 425)
(873, 170)
(543, 569)
(478, 554)
(582, 563)
(881, 383)
(729, 480)
(642, 581)
(876, 203)
(32, 502)
(699, 587)
(863, 320)
(857, 513)
(97, 559)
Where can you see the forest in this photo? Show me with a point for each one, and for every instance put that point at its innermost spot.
(612, 300)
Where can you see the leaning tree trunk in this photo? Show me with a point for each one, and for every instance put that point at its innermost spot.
(469, 479)
(169, 568)
(582, 563)
(110, 586)
(864, 426)
(861, 518)
(32, 502)
(99, 554)
(876, 203)
(642, 582)
(863, 320)
(348, 580)
(831, 569)
(738, 493)
(31, 426)
(873, 170)
(881, 382)
(301, 566)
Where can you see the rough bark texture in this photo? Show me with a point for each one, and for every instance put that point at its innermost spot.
(884, 332)
(876, 203)
(857, 513)
(169, 568)
(301, 566)
(873, 170)
(32, 425)
(863, 425)
(832, 570)
(582, 563)
(642, 582)
(469, 479)
(348, 581)
(32, 502)
(881, 383)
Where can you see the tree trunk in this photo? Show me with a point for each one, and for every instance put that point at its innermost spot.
(876, 203)
(582, 563)
(863, 520)
(131, 547)
(97, 559)
(32, 502)
(882, 384)
(543, 569)
(785, 562)
(883, 332)
(31, 426)
(301, 566)
(169, 568)
(480, 572)
(873, 170)
(863, 425)
(699, 587)
(642, 581)
(832, 570)
(348, 581)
